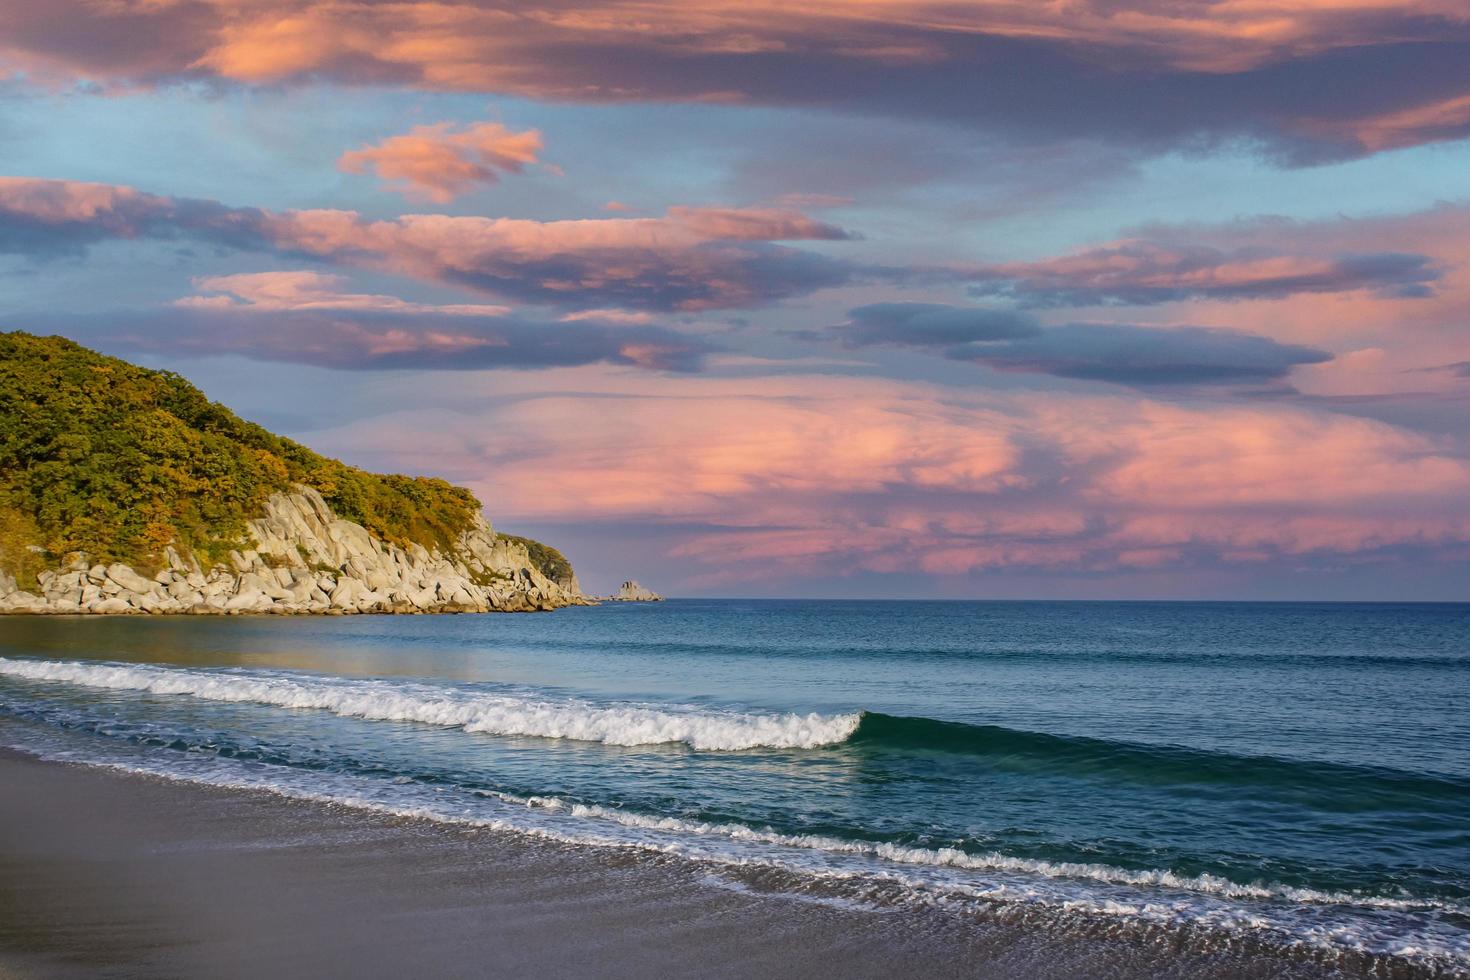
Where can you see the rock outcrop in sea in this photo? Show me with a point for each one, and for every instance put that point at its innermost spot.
(631, 591)
(307, 560)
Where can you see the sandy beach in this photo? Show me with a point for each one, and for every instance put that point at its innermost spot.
(112, 874)
(106, 874)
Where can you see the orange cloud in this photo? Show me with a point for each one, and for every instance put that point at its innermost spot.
(438, 164)
(1441, 120)
(475, 44)
(892, 56)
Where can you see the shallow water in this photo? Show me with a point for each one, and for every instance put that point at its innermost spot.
(1292, 774)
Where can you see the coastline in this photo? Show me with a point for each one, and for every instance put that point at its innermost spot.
(147, 877)
(102, 870)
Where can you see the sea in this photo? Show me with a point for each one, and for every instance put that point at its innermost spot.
(1234, 776)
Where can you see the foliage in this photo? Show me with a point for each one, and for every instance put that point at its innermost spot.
(18, 536)
(115, 460)
(548, 561)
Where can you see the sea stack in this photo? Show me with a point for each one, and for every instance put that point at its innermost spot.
(631, 591)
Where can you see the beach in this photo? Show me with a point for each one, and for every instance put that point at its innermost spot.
(118, 875)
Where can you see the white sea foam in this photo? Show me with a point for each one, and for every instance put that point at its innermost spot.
(635, 725)
(950, 857)
(1416, 928)
(473, 711)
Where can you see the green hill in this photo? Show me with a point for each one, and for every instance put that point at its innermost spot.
(118, 461)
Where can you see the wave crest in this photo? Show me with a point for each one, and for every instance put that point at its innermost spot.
(492, 714)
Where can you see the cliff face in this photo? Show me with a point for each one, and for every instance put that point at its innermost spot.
(307, 560)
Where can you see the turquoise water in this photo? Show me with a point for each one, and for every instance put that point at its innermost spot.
(1296, 775)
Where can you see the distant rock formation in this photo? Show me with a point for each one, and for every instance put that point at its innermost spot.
(307, 560)
(631, 591)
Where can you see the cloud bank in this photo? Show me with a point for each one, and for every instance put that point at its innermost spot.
(812, 475)
(362, 339)
(690, 259)
(1314, 79)
(1138, 272)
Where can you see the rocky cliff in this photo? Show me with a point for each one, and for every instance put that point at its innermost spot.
(307, 560)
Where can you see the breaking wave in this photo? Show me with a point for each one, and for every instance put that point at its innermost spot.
(473, 711)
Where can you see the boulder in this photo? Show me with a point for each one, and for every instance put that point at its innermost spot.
(249, 600)
(263, 582)
(346, 593)
(153, 604)
(129, 580)
(20, 602)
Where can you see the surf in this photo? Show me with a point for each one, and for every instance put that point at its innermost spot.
(508, 714)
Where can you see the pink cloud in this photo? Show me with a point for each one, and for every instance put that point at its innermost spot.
(754, 224)
(436, 163)
(608, 315)
(1141, 272)
(825, 475)
(1388, 296)
(1399, 333)
(305, 290)
(1442, 120)
(692, 258)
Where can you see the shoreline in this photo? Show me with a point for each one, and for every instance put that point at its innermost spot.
(214, 611)
(146, 876)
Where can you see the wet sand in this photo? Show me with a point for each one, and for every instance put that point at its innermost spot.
(116, 875)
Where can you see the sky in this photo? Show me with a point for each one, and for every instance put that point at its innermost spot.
(852, 298)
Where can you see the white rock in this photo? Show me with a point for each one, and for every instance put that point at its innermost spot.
(251, 600)
(263, 582)
(631, 591)
(128, 579)
(153, 604)
(346, 594)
